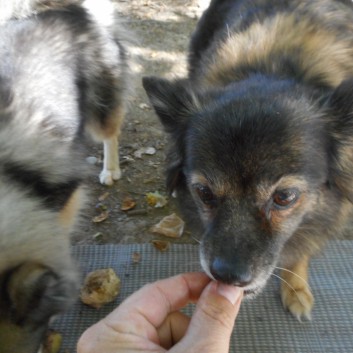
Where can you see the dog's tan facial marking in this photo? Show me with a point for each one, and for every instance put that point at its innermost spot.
(218, 188)
(273, 219)
(279, 216)
(214, 186)
(204, 196)
(197, 178)
(264, 190)
(279, 201)
(208, 194)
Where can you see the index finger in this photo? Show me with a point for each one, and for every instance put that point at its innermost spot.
(152, 303)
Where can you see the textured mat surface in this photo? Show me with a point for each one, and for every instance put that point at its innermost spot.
(262, 326)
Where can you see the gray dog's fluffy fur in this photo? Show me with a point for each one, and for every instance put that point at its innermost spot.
(63, 73)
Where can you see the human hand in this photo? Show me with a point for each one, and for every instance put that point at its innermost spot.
(150, 321)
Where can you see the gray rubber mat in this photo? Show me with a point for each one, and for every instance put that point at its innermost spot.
(262, 325)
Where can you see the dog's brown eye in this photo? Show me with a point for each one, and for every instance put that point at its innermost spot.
(285, 198)
(206, 195)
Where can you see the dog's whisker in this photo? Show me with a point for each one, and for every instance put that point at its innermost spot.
(197, 240)
(295, 274)
(289, 285)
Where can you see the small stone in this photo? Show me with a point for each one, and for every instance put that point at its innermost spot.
(100, 287)
(144, 106)
(92, 160)
(101, 217)
(128, 203)
(155, 199)
(144, 150)
(171, 226)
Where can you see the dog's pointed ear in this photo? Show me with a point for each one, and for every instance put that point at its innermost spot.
(341, 110)
(341, 102)
(173, 101)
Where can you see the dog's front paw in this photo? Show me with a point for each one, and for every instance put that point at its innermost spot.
(107, 177)
(298, 300)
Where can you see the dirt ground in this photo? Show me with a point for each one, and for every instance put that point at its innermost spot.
(162, 29)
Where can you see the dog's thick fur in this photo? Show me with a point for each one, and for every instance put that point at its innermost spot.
(63, 73)
(261, 130)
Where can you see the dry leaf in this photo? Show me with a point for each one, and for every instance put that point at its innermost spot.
(103, 196)
(52, 342)
(98, 236)
(101, 217)
(128, 203)
(92, 160)
(171, 226)
(144, 106)
(161, 245)
(136, 257)
(150, 151)
(156, 199)
(100, 287)
(144, 150)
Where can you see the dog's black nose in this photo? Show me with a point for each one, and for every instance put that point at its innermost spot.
(234, 273)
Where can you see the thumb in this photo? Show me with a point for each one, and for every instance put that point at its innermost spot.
(213, 319)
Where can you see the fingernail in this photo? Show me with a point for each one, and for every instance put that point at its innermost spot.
(231, 293)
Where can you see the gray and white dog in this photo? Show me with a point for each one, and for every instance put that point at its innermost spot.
(63, 74)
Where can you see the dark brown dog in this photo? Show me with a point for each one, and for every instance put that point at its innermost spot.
(262, 138)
